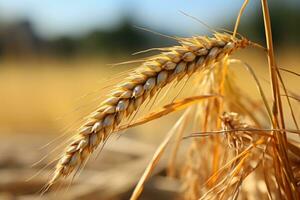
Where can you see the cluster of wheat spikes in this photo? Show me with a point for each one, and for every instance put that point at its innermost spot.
(224, 123)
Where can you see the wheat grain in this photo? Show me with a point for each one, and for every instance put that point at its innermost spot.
(171, 65)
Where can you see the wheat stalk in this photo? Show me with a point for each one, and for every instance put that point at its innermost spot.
(171, 65)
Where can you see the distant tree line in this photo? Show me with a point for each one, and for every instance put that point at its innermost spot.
(285, 24)
(20, 39)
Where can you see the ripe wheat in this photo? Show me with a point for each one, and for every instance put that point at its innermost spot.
(171, 65)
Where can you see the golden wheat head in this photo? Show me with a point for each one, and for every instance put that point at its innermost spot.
(171, 65)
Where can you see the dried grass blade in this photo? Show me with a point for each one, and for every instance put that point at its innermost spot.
(236, 170)
(255, 131)
(288, 99)
(293, 97)
(156, 157)
(289, 71)
(264, 98)
(167, 109)
(227, 165)
(172, 161)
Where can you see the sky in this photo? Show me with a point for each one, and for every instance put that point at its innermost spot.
(52, 18)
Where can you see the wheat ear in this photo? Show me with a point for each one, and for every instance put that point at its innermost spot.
(171, 65)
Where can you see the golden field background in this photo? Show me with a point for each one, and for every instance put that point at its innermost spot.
(44, 95)
(41, 99)
(49, 84)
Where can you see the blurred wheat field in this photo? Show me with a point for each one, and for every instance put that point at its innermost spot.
(36, 93)
(117, 100)
(44, 95)
(39, 98)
